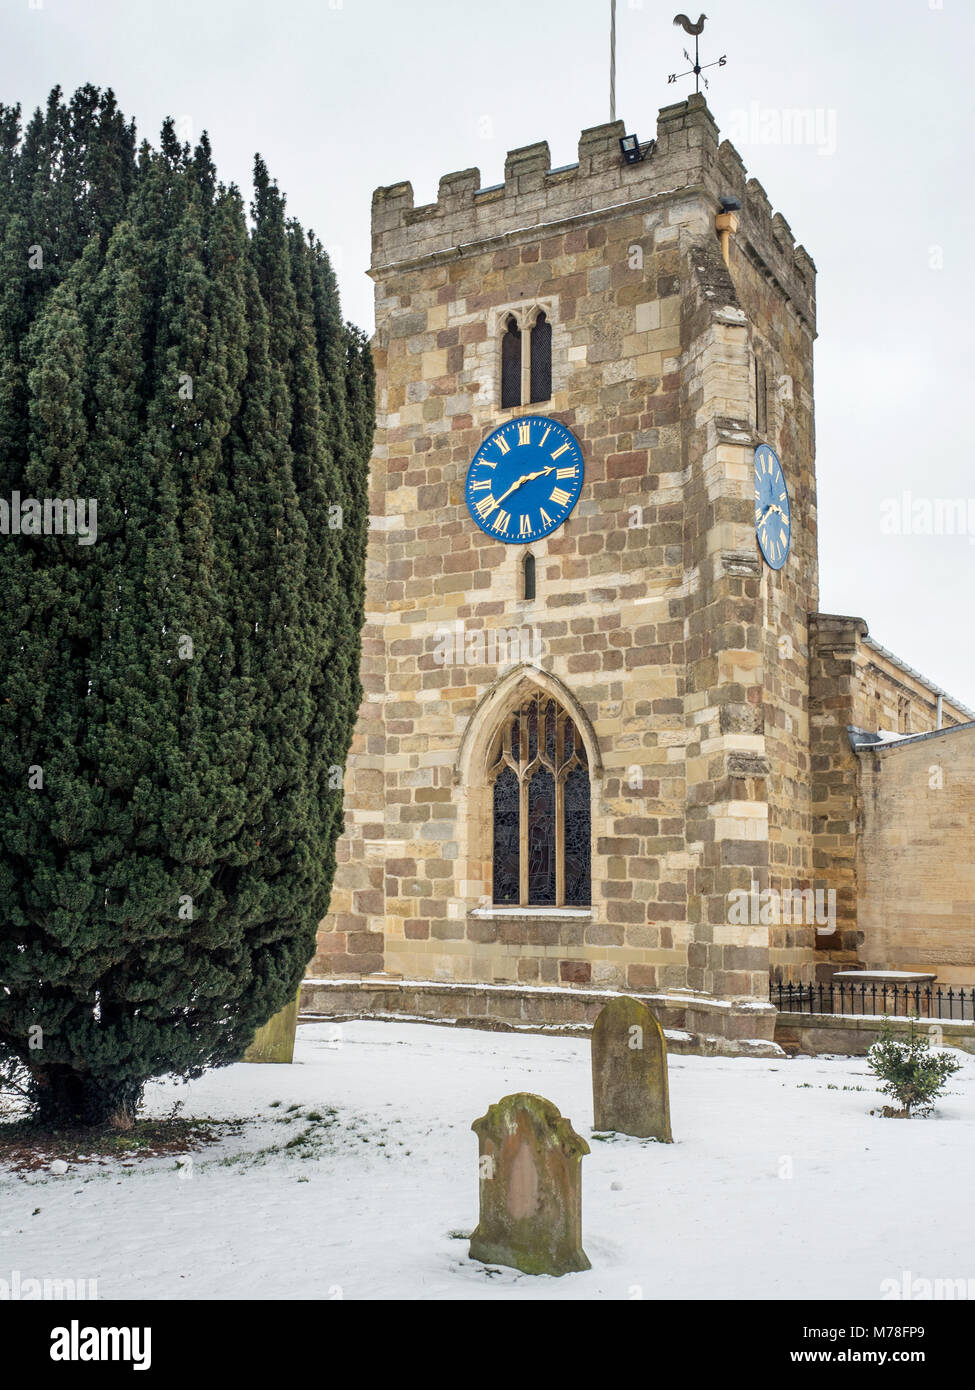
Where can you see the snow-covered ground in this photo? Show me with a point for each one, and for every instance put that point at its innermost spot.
(780, 1184)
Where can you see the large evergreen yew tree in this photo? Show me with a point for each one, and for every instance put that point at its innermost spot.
(177, 698)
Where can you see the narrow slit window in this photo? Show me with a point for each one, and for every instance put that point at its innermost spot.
(529, 576)
(541, 360)
(903, 715)
(511, 365)
(761, 397)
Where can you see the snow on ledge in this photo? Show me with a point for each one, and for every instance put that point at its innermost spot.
(674, 996)
(508, 1025)
(533, 914)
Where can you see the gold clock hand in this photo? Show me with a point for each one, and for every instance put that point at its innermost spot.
(530, 477)
(514, 486)
(525, 478)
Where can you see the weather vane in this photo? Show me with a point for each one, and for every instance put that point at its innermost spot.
(684, 23)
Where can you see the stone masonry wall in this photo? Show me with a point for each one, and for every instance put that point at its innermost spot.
(916, 869)
(853, 684)
(782, 330)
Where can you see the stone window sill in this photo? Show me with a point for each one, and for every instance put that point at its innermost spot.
(533, 914)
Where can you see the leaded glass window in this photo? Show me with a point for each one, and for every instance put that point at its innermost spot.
(542, 826)
(578, 884)
(541, 360)
(526, 359)
(511, 365)
(541, 838)
(506, 806)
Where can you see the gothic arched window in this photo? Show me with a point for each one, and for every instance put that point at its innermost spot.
(541, 360)
(542, 823)
(511, 365)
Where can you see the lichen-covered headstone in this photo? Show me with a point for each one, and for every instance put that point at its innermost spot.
(275, 1042)
(629, 1072)
(530, 1171)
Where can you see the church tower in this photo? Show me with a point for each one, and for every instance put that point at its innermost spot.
(586, 727)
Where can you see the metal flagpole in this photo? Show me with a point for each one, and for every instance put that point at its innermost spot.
(612, 60)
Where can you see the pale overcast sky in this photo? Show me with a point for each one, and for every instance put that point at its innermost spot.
(343, 95)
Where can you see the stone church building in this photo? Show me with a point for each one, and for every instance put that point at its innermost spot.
(607, 734)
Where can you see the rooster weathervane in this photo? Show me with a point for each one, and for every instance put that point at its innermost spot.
(696, 70)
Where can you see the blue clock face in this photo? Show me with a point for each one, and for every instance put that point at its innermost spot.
(525, 479)
(773, 515)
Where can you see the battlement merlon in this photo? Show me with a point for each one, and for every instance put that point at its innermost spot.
(686, 161)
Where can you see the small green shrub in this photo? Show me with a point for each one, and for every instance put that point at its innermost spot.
(911, 1073)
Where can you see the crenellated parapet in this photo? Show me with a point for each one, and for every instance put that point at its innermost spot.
(685, 160)
(767, 237)
(534, 194)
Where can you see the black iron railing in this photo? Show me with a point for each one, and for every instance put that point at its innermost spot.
(877, 998)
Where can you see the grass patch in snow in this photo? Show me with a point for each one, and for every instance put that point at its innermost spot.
(324, 1132)
(27, 1147)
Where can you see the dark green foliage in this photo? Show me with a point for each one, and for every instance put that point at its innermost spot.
(912, 1074)
(188, 684)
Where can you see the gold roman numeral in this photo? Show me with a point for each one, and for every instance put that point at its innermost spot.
(485, 507)
(567, 472)
(545, 519)
(559, 496)
(524, 434)
(503, 444)
(481, 487)
(559, 452)
(501, 521)
(525, 525)
(545, 436)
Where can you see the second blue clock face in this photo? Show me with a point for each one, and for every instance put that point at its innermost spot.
(525, 479)
(773, 514)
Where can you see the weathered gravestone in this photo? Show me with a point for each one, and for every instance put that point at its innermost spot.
(629, 1072)
(275, 1042)
(530, 1170)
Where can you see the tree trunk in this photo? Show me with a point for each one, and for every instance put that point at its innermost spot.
(68, 1099)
